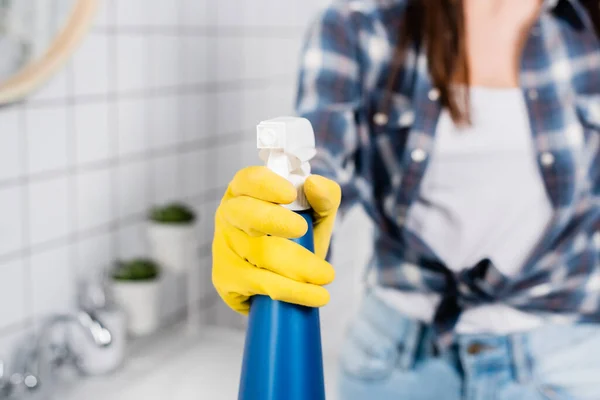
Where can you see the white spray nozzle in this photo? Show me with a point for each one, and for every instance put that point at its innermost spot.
(286, 146)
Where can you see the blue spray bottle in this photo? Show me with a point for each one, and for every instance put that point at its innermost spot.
(283, 356)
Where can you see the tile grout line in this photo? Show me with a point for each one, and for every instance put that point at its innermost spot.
(149, 105)
(209, 142)
(132, 219)
(72, 172)
(212, 53)
(111, 98)
(26, 218)
(164, 91)
(114, 128)
(7, 330)
(180, 103)
(208, 31)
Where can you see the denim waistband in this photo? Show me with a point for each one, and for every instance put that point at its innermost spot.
(405, 332)
(473, 351)
(510, 352)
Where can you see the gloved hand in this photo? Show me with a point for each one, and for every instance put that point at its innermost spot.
(251, 251)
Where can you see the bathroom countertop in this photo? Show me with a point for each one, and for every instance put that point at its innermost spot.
(176, 365)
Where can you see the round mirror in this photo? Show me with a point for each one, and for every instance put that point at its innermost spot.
(36, 38)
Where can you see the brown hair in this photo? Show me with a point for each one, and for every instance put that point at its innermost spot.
(440, 26)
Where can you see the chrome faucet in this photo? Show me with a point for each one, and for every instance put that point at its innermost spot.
(41, 356)
(6, 388)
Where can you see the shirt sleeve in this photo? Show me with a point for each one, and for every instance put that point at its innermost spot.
(329, 97)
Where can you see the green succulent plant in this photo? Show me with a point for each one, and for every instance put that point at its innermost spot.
(137, 269)
(174, 213)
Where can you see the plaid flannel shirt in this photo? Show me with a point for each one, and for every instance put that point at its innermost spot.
(379, 158)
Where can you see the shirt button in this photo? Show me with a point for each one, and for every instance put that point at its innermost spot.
(407, 118)
(380, 119)
(475, 348)
(550, 393)
(433, 94)
(562, 70)
(596, 239)
(575, 134)
(547, 159)
(533, 94)
(418, 155)
(595, 112)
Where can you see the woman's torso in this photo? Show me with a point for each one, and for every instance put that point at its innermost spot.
(538, 273)
(482, 196)
(383, 157)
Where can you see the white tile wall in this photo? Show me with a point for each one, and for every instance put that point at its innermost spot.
(132, 126)
(131, 241)
(230, 13)
(194, 51)
(90, 66)
(166, 186)
(132, 188)
(208, 208)
(230, 108)
(93, 199)
(230, 57)
(10, 143)
(12, 292)
(132, 61)
(93, 253)
(49, 208)
(229, 161)
(55, 88)
(161, 13)
(93, 137)
(104, 14)
(11, 230)
(163, 62)
(51, 282)
(163, 116)
(195, 110)
(195, 13)
(158, 103)
(46, 136)
(131, 13)
(195, 164)
(12, 338)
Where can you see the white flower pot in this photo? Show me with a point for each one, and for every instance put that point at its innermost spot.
(140, 301)
(173, 246)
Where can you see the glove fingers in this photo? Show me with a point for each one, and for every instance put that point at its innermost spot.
(237, 302)
(282, 257)
(251, 251)
(323, 195)
(258, 217)
(262, 183)
(238, 280)
(281, 288)
(290, 260)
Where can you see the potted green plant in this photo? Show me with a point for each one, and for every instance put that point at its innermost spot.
(136, 287)
(172, 236)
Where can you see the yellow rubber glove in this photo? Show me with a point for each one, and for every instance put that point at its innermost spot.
(252, 253)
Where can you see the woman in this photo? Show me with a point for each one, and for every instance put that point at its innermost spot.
(470, 132)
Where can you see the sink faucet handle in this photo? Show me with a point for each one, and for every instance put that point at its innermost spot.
(6, 385)
(101, 336)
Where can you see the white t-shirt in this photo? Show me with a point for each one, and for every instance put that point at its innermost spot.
(482, 196)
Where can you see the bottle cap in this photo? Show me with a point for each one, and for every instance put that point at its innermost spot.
(286, 146)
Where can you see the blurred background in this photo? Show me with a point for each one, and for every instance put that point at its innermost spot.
(156, 104)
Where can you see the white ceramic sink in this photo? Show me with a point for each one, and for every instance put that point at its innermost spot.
(177, 366)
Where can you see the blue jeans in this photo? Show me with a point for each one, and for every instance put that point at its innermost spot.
(389, 357)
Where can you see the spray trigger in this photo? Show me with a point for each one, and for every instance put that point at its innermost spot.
(286, 145)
